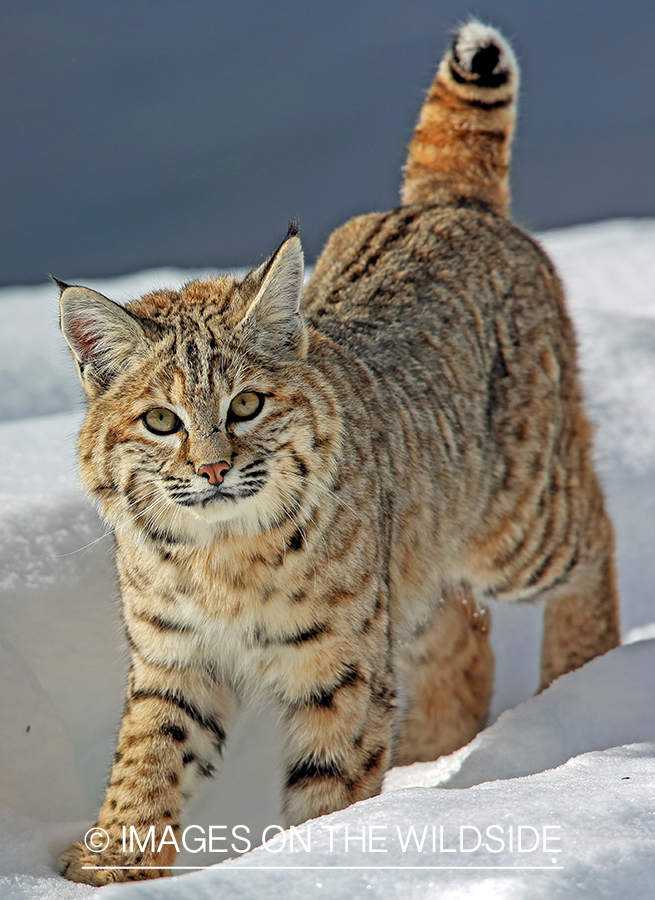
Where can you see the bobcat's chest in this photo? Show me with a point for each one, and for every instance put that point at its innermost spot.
(244, 606)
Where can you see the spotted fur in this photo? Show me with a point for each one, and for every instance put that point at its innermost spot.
(420, 445)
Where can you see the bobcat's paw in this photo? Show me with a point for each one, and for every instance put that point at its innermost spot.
(78, 863)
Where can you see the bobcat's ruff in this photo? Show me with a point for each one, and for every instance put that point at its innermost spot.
(406, 441)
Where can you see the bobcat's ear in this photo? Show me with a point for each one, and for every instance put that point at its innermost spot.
(273, 320)
(102, 335)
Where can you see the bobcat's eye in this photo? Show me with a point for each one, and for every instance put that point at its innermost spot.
(161, 421)
(246, 405)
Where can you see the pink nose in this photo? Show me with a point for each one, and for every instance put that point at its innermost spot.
(214, 472)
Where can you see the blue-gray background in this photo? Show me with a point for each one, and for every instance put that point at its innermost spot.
(138, 133)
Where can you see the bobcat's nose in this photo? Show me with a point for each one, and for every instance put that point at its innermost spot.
(214, 472)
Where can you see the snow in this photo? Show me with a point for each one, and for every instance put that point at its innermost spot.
(578, 759)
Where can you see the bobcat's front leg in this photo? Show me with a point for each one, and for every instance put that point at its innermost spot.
(173, 725)
(339, 734)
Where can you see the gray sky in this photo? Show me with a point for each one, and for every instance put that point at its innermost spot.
(138, 133)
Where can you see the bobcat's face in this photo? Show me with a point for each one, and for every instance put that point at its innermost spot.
(203, 408)
(235, 445)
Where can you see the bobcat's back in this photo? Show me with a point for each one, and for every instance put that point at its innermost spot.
(459, 323)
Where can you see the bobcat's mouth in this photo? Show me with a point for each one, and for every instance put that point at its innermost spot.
(203, 498)
(219, 493)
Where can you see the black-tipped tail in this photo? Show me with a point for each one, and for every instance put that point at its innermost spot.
(461, 145)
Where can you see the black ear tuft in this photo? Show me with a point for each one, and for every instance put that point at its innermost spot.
(293, 230)
(60, 284)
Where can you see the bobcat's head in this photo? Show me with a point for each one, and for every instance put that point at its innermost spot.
(203, 405)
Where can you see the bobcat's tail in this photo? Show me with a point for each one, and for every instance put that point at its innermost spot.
(461, 145)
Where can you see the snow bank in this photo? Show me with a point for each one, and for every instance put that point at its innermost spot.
(586, 830)
(558, 759)
(607, 702)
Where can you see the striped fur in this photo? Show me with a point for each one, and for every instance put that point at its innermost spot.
(416, 444)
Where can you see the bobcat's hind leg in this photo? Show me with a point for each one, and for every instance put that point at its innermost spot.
(449, 673)
(581, 619)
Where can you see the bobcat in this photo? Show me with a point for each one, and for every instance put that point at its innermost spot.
(313, 495)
